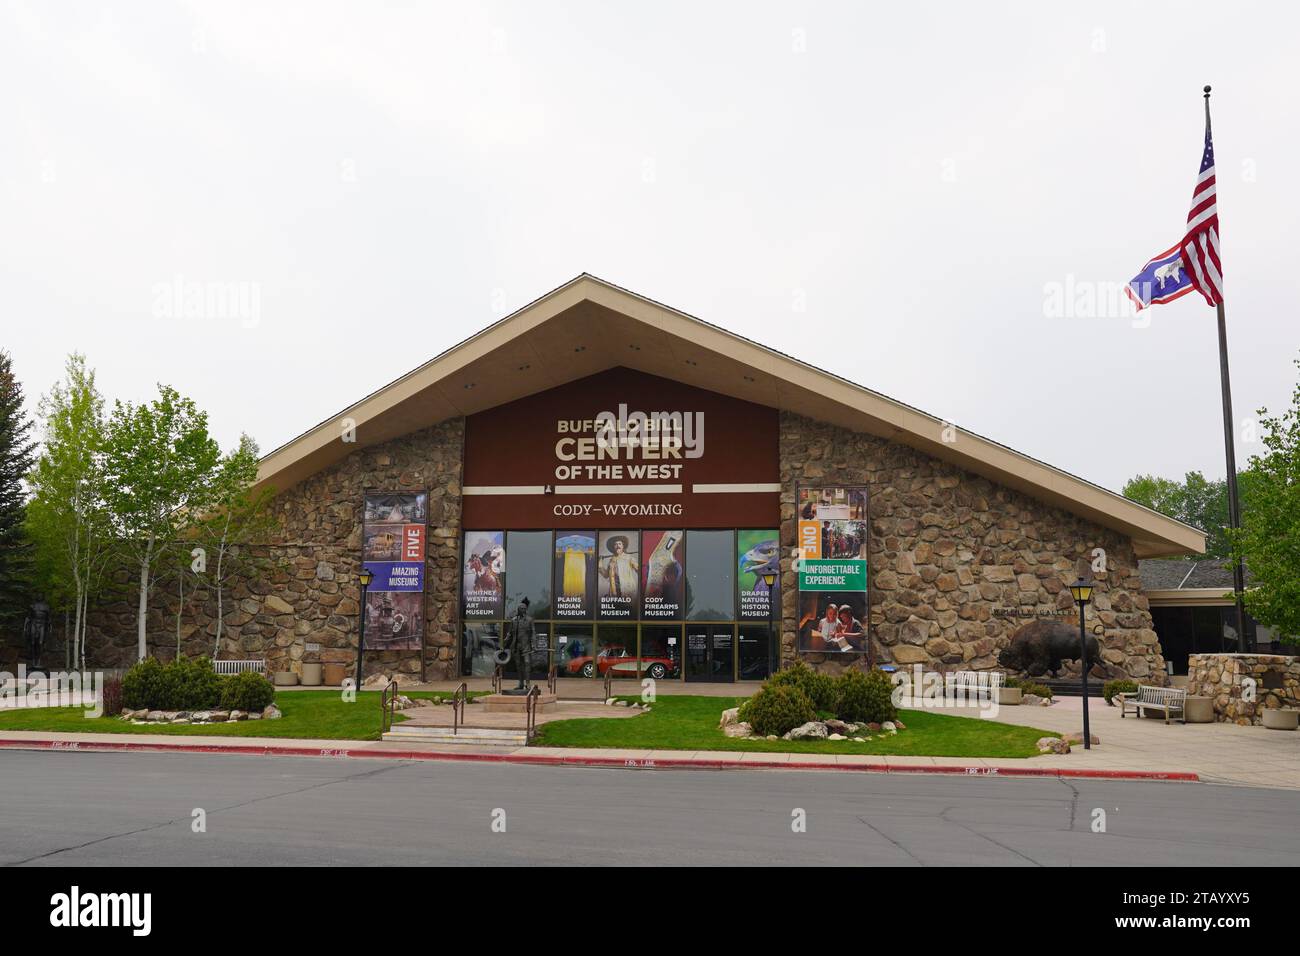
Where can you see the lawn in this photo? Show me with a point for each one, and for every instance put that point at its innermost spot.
(307, 713)
(691, 723)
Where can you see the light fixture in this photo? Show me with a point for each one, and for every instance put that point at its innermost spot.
(366, 577)
(769, 578)
(1081, 590)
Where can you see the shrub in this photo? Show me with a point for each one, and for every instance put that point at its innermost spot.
(865, 698)
(777, 709)
(183, 684)
(1119, 686)
(112, 696)
(142, 684)
(246, 691)
(818, 688)
(1027, 686)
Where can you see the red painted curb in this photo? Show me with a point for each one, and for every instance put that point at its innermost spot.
(277, 750)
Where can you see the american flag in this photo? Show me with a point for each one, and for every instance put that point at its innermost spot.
(1200, 246)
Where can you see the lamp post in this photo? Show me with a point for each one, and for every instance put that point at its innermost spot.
(769, 578)
(1081, 591)
(365, 578)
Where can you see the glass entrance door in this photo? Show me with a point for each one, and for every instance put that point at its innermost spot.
(710, 652)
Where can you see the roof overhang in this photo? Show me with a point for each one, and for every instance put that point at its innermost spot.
(1190, 597)
(588, 325)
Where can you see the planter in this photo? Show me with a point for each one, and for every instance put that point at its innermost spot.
(311, 675)
(335, 674)
(1198, 710)
(285, 679)
(1008, 696)
(1281, 719)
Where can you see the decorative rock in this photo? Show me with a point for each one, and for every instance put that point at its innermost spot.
(201, 716)
(620, 703)
(838, 727)
(900, 725)
(219, 715)
(729, 716)
(857, 740)
(873, 726)
(813, 730)
(1053, 745)
(237, 715)
(271, 712)
(738, 729)
(836, 737)
(253, 716)
(610, 701)
(155, 715)
(889, 727)
(1031, 700)
(1077, 738)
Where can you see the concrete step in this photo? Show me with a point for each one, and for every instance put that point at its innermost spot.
(467, 736)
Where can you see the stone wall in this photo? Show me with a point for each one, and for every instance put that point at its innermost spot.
(306, 590)
(948, 549)
(1227, 680)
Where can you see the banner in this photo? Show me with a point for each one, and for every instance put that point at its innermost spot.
(663, 575)
(833, 538)
(575, 574)
(758, 553)
(619, 566)
(483, 575)
(393, 534)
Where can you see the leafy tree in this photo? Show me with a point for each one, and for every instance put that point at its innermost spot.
(239, 517)
(15, 459)
(161, 464)
(66, 518)
(1196, 501)
(1269, 541)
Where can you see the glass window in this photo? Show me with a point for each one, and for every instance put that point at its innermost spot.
(710, 575)
(482, 641)
(574, 650)
(757, 651)
(530, 572)
(616, 650)
(661, 651)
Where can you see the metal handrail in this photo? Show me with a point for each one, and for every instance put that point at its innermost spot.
(551, 677)
(609, 684)
(531, 705)
(387, 706)
(458, 706)
(496, 680)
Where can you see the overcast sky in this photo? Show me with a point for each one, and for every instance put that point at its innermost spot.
(898, 193)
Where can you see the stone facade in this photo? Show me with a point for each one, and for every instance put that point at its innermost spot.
(950, 549)
(307, 591)
(950, 554)
(1225, 679)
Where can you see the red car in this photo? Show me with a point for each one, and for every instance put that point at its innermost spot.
(617, 656)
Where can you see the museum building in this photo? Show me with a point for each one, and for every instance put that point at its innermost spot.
(674, 500)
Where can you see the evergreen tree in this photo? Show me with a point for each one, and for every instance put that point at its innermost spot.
(16, 446)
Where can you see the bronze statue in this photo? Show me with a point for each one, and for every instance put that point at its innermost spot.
(1039, 647)
(36, 631)
(521, 646)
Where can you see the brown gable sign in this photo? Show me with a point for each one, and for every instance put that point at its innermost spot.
(622, 449)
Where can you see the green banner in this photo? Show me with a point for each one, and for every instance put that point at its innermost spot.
(824, 574)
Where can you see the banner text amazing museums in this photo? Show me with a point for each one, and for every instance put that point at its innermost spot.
(628, 437)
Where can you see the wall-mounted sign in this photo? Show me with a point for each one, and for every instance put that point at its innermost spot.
(575, 574)
(483, 572)
(392, 549)
(663, 574)
(622, 448)
(833, 537)
(758, 554)
(619, 566)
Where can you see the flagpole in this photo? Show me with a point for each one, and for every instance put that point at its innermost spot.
(1234, 504)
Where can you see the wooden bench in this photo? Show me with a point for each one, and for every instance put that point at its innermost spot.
(974, 685)
(238, 667)
(1164, 699)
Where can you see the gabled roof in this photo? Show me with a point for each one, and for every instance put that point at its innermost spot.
(588, 325)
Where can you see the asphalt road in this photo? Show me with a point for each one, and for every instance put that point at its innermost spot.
(87, 809)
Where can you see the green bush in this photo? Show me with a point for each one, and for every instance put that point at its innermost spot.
(818, 688)
(182, 684)
(142, 684)
(246, 691)
(777, 709)
(1028, 686)
(1120, 686)
(865, 698)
